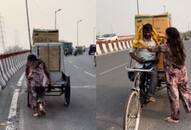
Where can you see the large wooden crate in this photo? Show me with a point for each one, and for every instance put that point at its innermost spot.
(159, 22)
(51, 54)
(40, 35)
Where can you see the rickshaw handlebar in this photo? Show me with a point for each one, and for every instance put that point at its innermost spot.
(138, 69)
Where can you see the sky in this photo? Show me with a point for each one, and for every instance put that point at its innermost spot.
(41, 14)
(105, 15)
(118, 15)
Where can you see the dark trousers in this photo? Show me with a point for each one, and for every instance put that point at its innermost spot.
(153, 79)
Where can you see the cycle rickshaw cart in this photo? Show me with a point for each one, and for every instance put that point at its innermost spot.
(53, 56)
(138, 95)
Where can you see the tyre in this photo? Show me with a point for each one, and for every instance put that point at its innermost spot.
(133, 107)
(67, 92)
(28, 99)
(67, 96)
(132, 112)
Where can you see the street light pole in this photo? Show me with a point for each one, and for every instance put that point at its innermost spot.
(94, 34)
(164, 7)
(56, 17)
(28, 25)
(188, 26)
(137, 6)
(78, 29)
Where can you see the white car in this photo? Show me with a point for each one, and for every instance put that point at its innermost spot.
(111, 36)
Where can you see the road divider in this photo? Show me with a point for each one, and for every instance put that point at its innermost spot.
(10, 64)
(111, 46)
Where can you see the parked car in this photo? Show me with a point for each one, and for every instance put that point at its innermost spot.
(92, 49)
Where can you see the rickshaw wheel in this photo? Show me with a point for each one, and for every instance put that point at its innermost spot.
(67, 96)
(132, 112)
(28, 100)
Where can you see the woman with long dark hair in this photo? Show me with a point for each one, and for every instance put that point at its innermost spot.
(37, 79)
(176, 73)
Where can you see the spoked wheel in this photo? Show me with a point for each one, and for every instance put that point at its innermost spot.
(132, 112)
(133, 107)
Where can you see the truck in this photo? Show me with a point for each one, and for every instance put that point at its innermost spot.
(67, 47)
(78, 50)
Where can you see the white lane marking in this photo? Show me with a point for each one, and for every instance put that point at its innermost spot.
(90, 74)
(21, 120)
(13, 107)
(85, 86)
(75, 66)
(13, 110)
(112, 69)
(19, 83)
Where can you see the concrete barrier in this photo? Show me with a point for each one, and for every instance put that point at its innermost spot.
(104, 47)
(10, 64)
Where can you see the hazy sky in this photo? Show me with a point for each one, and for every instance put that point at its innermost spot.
(118, 15)
(112, 16)
(42, 16)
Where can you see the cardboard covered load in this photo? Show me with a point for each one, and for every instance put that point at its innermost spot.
(45, 35)
(159, 22)
(51, 55)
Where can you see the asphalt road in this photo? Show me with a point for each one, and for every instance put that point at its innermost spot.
(80, 115)
(113, 90)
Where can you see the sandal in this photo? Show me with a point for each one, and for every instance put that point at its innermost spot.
(42, 110)
(152, 99)
(35, 114)
(169, 119)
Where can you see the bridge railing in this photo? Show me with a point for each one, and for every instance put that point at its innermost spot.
(10, 64)
(110, 46)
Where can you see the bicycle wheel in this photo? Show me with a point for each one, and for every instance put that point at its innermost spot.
(132, 112)
(133, 108)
